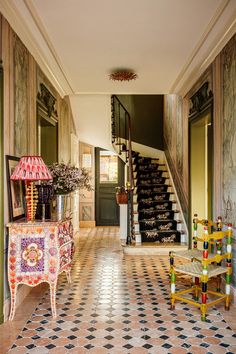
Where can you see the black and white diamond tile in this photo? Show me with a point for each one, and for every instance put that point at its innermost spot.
(120, 304)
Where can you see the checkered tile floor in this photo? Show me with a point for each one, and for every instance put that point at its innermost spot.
(120, 304)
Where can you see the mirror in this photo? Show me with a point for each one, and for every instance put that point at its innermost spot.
(47, 126)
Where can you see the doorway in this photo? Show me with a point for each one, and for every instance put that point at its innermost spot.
(109, 174)
(201, 166)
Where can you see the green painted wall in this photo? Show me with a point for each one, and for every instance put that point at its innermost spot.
(146, 118)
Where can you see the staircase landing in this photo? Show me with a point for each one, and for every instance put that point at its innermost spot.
(153, 249)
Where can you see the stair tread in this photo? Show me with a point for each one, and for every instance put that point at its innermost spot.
(166, 244)
(154, 184)
(153, 192)
(161, 220)
(163, 231)
(156, 210)
(159, 201)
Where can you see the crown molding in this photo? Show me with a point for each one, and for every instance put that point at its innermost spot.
(219, 31)
(29, 31)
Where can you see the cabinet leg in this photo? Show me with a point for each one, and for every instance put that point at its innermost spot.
(13, 302)
(53, 287)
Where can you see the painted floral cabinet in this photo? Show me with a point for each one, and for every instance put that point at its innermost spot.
(38, 252)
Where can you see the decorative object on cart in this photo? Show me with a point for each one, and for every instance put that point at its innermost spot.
(15, 191)
(66, 179)
(43, 207)
(121, 195)
(30, 169)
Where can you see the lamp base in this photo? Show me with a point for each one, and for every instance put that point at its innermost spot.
(31, 200)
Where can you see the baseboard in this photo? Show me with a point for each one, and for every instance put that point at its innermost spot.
(87, 224)
(22, 292)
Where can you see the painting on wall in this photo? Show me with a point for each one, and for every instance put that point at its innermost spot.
(20, 65)
(64, 136)
(229, 131)
(15, 191)
(174, 125)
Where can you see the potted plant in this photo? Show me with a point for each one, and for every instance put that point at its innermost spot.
(121, 195)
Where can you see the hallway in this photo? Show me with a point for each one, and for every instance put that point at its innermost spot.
(119, 304)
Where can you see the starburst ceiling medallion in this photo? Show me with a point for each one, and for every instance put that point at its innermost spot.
(123, 75)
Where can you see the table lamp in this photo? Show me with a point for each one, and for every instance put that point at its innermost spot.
(30, 169)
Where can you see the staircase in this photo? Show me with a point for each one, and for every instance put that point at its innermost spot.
(153, 225)
(154, 205)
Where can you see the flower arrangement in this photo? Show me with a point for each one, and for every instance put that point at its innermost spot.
(68, 178)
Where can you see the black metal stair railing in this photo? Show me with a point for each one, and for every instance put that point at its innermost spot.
(121, 137)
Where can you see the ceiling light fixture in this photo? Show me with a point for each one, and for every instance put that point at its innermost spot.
(123, 75)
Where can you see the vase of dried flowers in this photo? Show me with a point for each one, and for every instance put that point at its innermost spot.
(60, 206)
(66, 179)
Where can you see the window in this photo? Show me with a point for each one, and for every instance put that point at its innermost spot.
(108, 167)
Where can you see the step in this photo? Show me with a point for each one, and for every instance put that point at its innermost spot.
(170, 236)
(156, 196)
(156, 204)
(153, 249)
(151, 181)
(156, 214)
(154, 185)
(159, 225)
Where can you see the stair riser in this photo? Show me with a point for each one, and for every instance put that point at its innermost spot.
(159, 225)
(154, 196)
(151, 181)
(158, 188)
(156, 205)
(148, 174)
(158, 215)
(162, 237)
(146, 168)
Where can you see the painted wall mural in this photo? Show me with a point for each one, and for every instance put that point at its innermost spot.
(179, 135)
(21, 65)
(174, 124)
(22, 78)
(229, 131)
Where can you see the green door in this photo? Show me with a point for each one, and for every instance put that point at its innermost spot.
(109, 174)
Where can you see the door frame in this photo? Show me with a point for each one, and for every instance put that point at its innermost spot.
(97, 170)
(202, 105)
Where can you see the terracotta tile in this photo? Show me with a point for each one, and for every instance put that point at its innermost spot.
(59, 350)
(18, 350)
(179, 350)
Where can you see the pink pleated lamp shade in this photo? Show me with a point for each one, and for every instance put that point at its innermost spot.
(31, 168)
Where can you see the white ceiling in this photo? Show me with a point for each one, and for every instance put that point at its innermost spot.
(78, 43)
